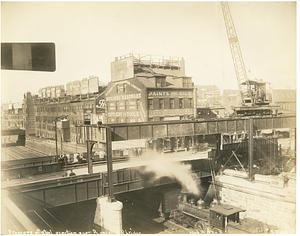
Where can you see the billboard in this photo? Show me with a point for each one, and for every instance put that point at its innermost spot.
(43, 92)
(122, 69)
(69, 88)
(40, 93)
(48, 92)
(76, 87)
(59, 90)
(84, 86)
(93, 84)
(53, 89)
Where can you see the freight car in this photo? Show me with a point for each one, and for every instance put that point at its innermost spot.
(218, 218)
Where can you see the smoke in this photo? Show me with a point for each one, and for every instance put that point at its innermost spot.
(166, 167)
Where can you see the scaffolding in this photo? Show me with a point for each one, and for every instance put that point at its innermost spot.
(154, 61)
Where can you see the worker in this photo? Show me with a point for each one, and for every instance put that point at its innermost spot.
(72, 173)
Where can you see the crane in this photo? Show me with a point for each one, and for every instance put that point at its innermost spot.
(253, 92)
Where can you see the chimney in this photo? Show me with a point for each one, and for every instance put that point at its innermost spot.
(182, 65)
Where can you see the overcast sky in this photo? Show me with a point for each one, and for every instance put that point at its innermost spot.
(89, 35)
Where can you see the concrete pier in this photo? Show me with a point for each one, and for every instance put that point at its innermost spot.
(108, 216)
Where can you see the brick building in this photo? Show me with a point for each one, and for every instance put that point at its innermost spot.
(285, 99)
(12, 115)
(70, 111)
(149, 88)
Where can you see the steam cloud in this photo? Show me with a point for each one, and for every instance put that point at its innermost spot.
(166, 167)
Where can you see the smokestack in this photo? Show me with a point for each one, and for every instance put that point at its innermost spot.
(182, 65)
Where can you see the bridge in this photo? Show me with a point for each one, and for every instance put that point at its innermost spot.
(166, 129)
(15, 132)
(57, 190)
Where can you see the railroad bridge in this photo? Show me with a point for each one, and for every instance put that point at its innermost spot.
(58, 190)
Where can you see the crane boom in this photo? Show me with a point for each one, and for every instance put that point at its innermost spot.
(237, 57)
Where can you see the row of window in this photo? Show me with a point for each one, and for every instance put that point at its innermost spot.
(64, 108)
(285, 94)
(121, 88)
(285, 106)
(124, 105)
(169, 103)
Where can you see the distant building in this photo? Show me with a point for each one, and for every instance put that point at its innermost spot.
(208, 95)
(12, 116)
(285, 99)
(149, 88)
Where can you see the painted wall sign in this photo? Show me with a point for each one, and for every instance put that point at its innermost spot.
(169, 93)
(124, 97)
(170, 112)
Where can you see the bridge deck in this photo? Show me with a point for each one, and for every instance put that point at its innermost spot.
(19, 152)
(146, 159)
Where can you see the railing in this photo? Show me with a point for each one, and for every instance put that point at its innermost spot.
(154, 60)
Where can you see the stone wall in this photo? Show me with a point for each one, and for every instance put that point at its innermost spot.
(262, 201)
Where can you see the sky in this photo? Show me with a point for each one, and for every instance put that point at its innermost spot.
(89, 35)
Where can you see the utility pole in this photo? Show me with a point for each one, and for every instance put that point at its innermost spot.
(250, 149)
(55, 121)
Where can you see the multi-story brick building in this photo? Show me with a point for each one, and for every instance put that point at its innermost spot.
(285, 99)
(12, 115)
(64, 111)
(149, 88)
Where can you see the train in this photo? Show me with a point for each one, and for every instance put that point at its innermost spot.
(216, 218)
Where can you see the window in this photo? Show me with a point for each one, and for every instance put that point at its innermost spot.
(190, 103)
(150, 119)
(117, 120)
(150, 104)
(126, 120)
(180, 102)
(117, 88)
(161, 118)
(172, 103)
(126, 105)
(117, 103)
(187, 83)
(160, 82)
(282, 95)
(124, 88)
(161, 103)
(138, 104)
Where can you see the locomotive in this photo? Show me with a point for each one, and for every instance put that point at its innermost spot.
(215, 218)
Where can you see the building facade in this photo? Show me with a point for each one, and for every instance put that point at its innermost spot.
(285, 99)
(149, 88)
(12, 116)
(58, 113)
